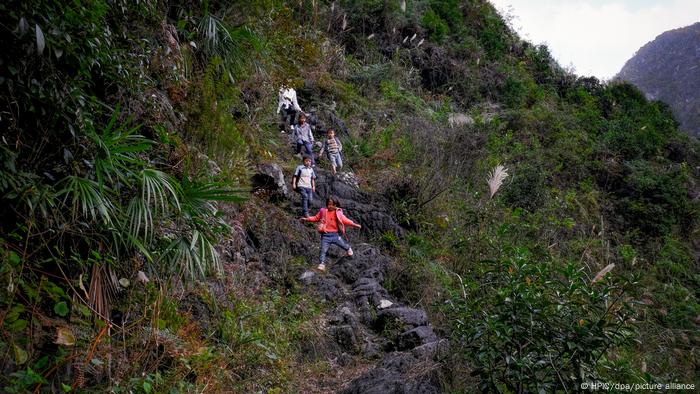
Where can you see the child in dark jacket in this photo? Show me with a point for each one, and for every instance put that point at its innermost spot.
(304, 138)
(333, 221)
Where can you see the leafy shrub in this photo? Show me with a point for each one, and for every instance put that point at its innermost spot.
(212, 126)
(494, 35)
(652, 199)
(437, 27)
(527, 189)
(679, 306)
(450, 11)
(673, 263)
(542, 63)
(513, 92)
(394, 92)
(636, 128)
(539, 326)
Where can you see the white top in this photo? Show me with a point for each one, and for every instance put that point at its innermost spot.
(304, 176)
(287, 97)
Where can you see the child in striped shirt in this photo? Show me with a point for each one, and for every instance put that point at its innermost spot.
(333, 149)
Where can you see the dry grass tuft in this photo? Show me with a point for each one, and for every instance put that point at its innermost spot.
(496, 177)
(602, 272)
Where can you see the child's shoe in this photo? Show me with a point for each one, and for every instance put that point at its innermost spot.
(321, 267)
(349, 252)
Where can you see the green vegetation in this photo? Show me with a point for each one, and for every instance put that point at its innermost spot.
(129, 135)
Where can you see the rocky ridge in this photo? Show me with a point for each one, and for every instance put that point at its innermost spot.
(666, 69)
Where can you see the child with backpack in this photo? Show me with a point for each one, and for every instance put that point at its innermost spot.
(304, 182)
(333, 149)
(331, 221)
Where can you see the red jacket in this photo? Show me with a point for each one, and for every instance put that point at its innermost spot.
(332, 222)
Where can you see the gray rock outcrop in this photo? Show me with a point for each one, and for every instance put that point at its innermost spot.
(270, 177)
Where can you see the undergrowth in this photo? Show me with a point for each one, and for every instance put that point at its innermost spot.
(131, 131)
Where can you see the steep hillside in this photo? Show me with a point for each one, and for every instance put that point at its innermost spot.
(150, 241)
(668, 69)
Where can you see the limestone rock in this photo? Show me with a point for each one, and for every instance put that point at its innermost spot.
(306, 277)
(436, 350)
(345, 337)
(383, 304)
(270, 177)
(415, 337)
(404, 315)
(398, 373)
(349, 178)
(457, 120)
(367, 262)
(370, 212)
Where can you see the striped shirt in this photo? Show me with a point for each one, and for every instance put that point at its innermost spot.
(333, 145)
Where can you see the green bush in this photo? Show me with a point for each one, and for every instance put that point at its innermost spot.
(673, 263)
(494, 35)
(437, 27)
(513, 92)
(532, 325)
(652, 199)
(527, 189)
(635, 128)
(450, 11)
(678, 306)
(542, 64)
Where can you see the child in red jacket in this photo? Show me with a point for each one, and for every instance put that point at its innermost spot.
(332, 220)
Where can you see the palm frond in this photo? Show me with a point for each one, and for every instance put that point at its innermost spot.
(28, 189)
(228, 44)
(159, 193)
(123, 239)
(496, 178)
(215, 36)
(87, 199)
(116, 152)
(140, 218)
(158, 189)
(197, 196)
(194, 256)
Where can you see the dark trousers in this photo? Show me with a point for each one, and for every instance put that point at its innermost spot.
(289, 117)
(307, 151)
(306, 196)
(328, 239)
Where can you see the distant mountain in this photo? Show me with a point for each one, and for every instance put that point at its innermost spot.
(668, 69)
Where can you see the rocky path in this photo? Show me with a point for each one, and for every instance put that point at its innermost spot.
(367, 325)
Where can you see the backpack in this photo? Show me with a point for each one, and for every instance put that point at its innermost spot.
(321, 226)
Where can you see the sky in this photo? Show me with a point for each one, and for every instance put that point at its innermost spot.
(596, 37)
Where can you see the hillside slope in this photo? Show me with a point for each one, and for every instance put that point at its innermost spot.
(150, 242)
(667, 69)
